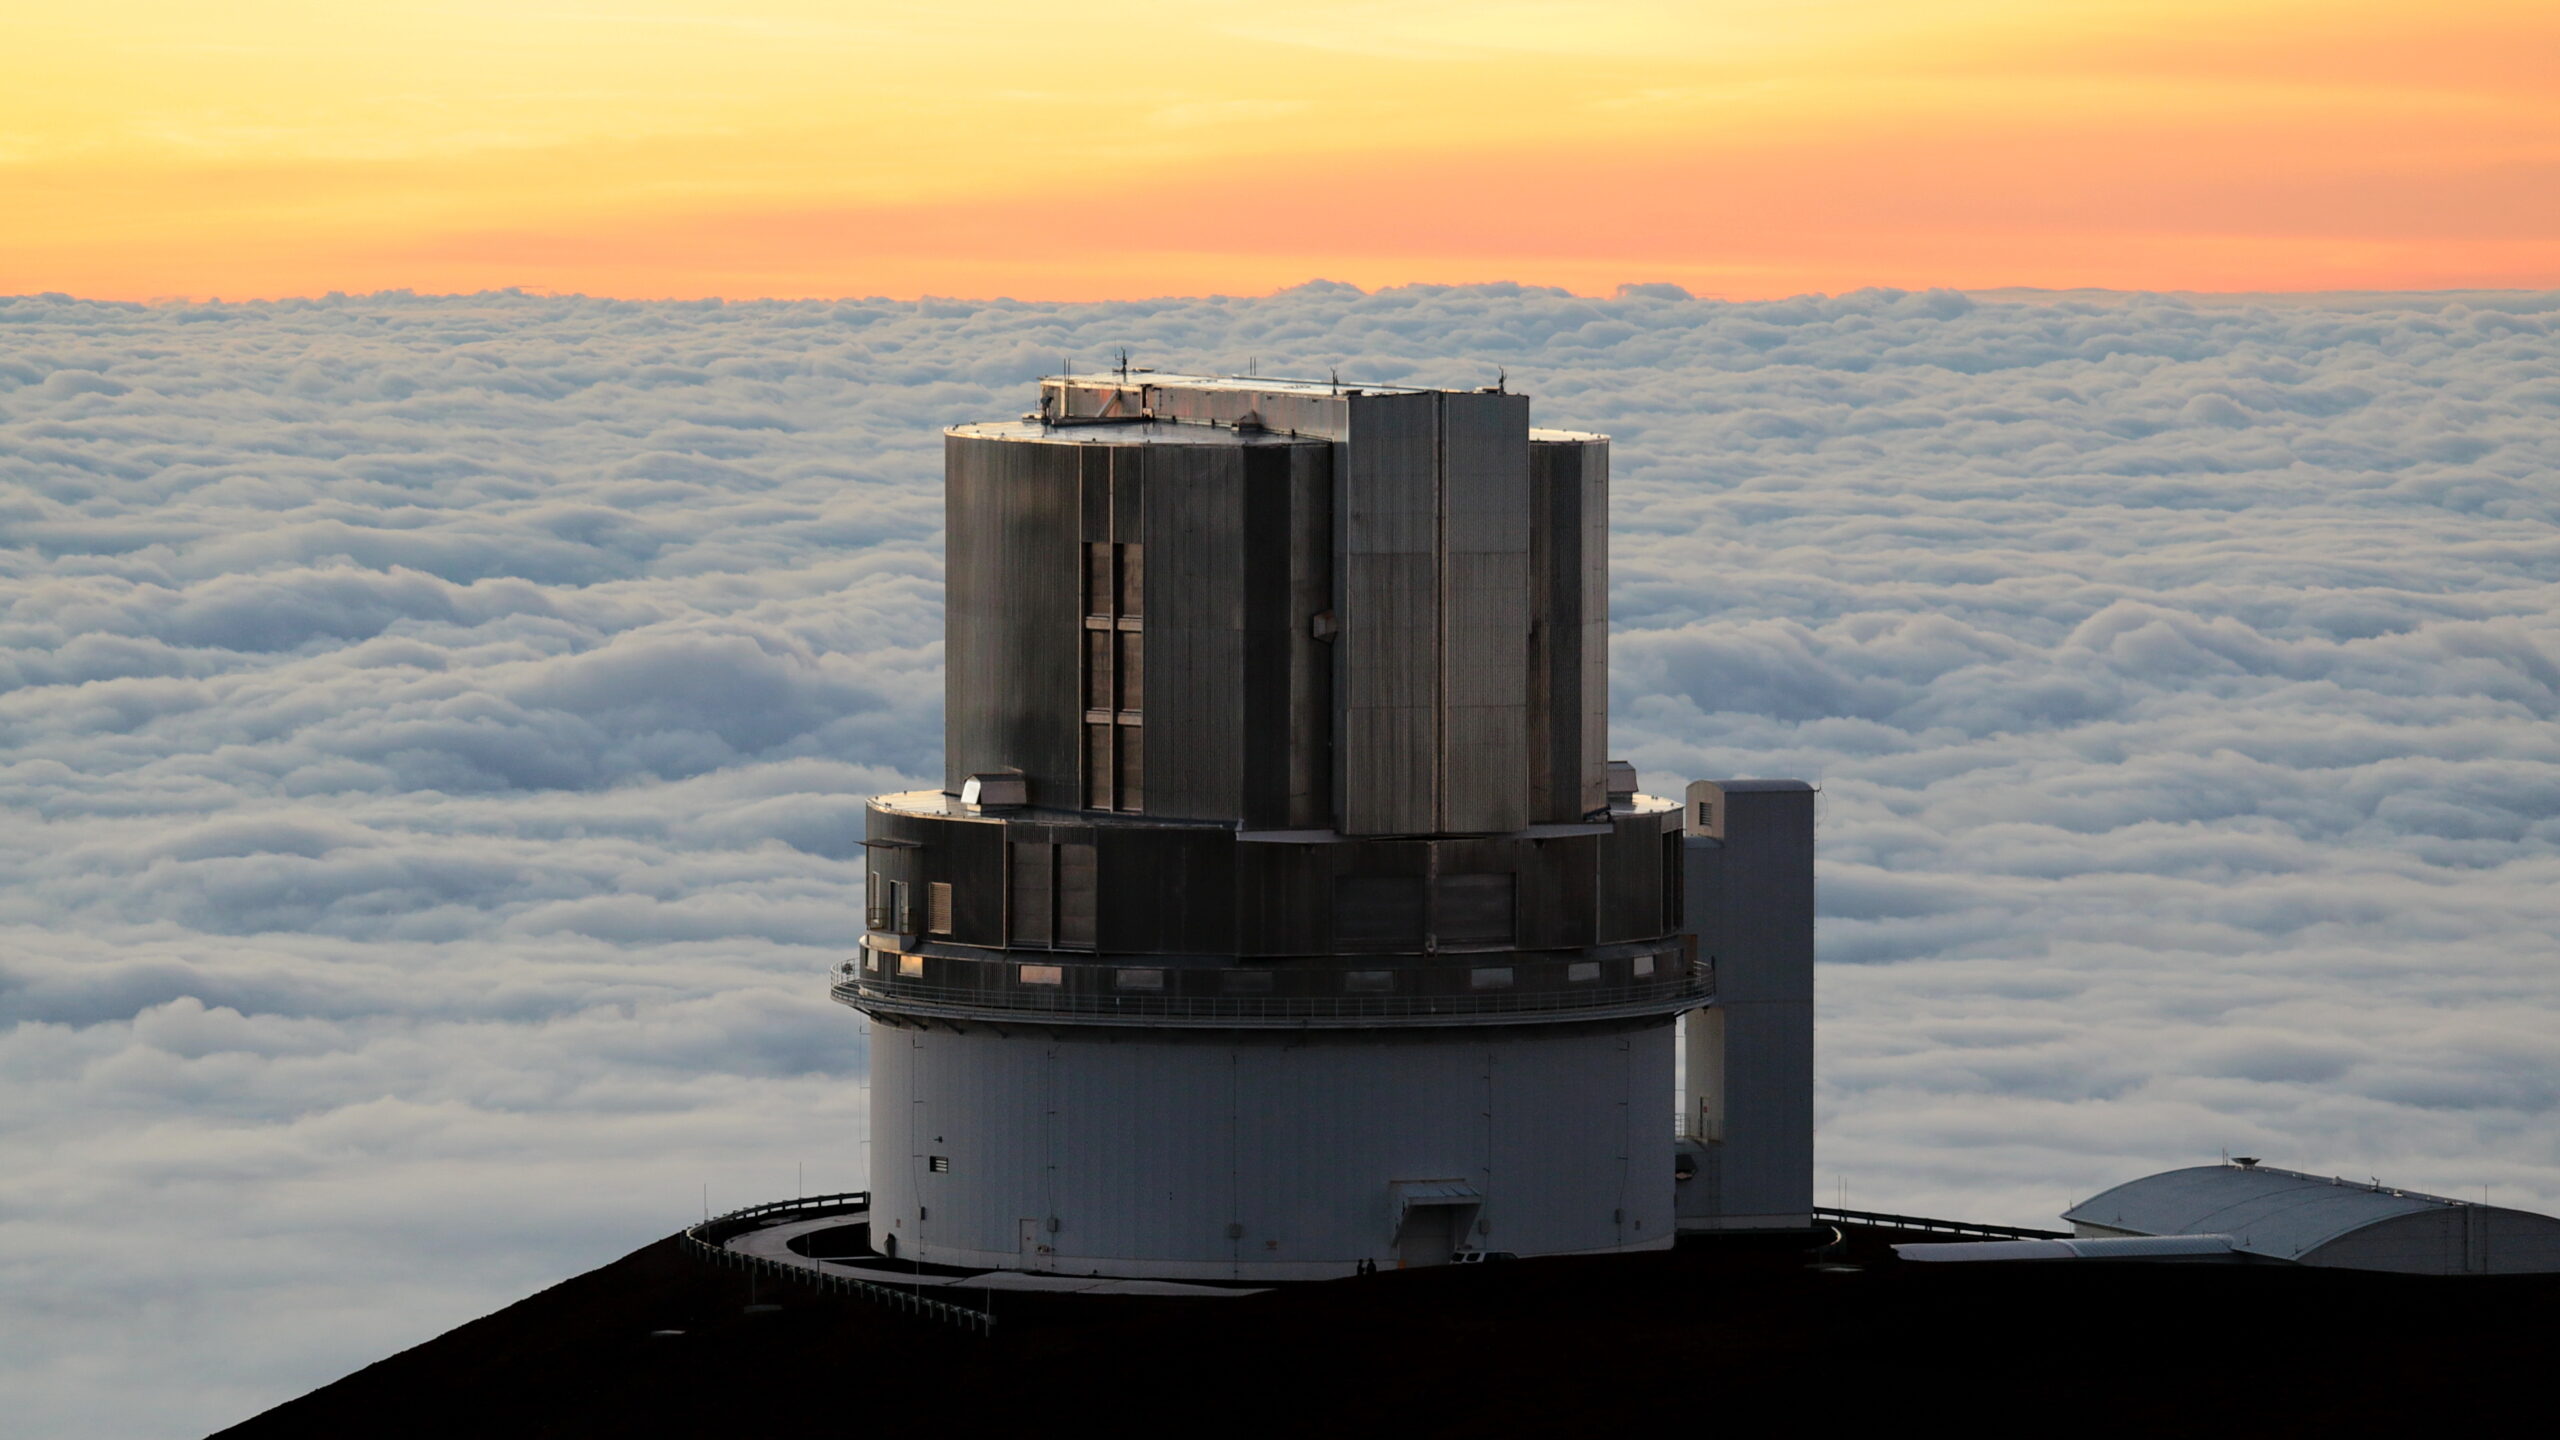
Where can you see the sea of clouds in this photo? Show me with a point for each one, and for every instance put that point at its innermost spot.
(433, 736)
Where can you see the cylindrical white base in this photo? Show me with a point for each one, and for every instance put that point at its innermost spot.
(1224, 1154)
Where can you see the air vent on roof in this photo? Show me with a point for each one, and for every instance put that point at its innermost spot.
(999, 790)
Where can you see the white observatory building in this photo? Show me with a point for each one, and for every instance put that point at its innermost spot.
(1280, 910)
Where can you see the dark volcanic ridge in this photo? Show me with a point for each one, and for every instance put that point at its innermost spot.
(1721, 1329)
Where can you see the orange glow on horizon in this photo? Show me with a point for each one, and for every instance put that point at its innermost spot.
(1739, 147)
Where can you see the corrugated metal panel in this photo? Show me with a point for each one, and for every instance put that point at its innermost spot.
(1167, 890)
(1555, 634)
(1014, 557)
(1387, 506)
(1378, 913)
(1481, 754)
(1570, 577)
(1208, 1156)
(1631, 877)
(1310, 708)
(1484, 612)
(1271, 628)
(1595, 625)
(1485, 469)
(1751, 909)
(1195, 632)
(1094, 469)
(1129, 466)
(1485, 687)
(1386, 754)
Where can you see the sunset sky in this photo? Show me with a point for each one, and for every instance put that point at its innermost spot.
(1744, 148)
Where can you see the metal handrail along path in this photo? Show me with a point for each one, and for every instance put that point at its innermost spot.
(1882, 1221)
(705, 1242)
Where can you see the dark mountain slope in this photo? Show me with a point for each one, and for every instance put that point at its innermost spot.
(1711, 1335)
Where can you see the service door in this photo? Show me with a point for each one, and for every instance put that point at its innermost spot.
(1035, 1246)
(1428, 1236)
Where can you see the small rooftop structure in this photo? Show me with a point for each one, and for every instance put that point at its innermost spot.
(2324, 1220)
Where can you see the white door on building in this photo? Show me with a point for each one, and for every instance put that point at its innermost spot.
(1035, 1246)
(1427, 1236)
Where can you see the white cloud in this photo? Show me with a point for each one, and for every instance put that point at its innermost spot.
(433, 734)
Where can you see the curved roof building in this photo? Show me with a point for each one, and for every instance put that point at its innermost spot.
(2324, 1220)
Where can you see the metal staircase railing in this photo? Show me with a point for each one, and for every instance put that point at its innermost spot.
(706, 1242)
(1924, 1224)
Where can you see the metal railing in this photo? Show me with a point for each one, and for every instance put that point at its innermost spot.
(1024, 1002)
(706, 1242)
(1926, 1225)
(730, 1222)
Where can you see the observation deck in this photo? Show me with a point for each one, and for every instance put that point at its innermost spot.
(1001, 912)
(1283, 995)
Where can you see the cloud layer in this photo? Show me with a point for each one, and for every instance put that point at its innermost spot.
(435, 733)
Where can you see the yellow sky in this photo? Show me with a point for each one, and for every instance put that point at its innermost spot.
(646, 147)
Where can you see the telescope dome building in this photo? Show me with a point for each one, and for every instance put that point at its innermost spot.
(1280, 911)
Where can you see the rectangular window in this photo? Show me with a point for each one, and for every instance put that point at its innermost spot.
(910, 967)
(1132, 767)
(1643, 966)
(1076, 902)
(1039, 975)
(901, 917)
(1135, 979)
(1132, 667)
(875, 913)
(1097, 670)
(1489, 977)
(1097, 579)
(1706, 815)
(938, 907)
(1133, 570)
(1368, 981)
(870, 960)
(938, 1164)
(1028, 922)
(1097, 766)
(1474, 910)
(1581, 970)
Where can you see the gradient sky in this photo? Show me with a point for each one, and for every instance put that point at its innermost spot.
(1743, 148)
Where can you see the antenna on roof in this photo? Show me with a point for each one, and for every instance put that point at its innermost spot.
(1501, 379)
(1124, 364)
(1333, 376)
